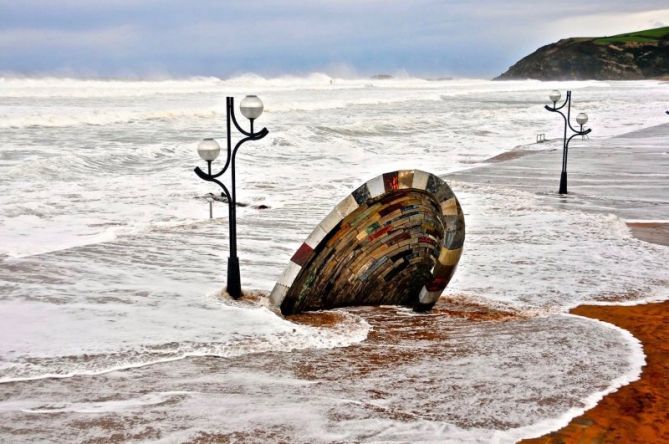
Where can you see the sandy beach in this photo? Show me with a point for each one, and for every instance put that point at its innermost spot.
(334, 222)
(654, 232)
(115, 329)
(636, 413)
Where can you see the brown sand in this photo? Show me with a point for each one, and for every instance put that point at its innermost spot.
(638, 412)
(654, 232)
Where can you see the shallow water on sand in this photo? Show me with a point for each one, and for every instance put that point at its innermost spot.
(462, 373)
(107, 262)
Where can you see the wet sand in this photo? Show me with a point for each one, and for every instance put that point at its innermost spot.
(411, 380)
(625, 175)
(600, 182)
(653, 232)
(404, 373)
(638, 412)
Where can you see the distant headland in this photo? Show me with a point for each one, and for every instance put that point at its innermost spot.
(633, 56)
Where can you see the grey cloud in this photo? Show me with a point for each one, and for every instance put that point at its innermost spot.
(223, 37)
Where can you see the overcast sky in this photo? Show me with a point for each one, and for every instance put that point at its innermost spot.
(149, 38)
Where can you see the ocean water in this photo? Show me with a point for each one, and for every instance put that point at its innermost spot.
(108, 262)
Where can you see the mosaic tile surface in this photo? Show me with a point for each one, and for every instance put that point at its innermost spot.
(396, 240)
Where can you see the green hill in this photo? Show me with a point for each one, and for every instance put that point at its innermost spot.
(647, 36)
(630, 56)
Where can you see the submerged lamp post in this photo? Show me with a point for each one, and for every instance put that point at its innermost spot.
(251, 108)
(581, 119)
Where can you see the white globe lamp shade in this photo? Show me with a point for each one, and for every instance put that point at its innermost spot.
(582, 119)
(251, 107)
(555, 95)
(209, 150)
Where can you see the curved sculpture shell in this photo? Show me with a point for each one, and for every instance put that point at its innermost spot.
(396, 240)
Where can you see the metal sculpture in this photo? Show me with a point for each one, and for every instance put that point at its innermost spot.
(397, 239)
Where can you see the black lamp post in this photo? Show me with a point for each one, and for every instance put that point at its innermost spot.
(581, 119)
(251, 107)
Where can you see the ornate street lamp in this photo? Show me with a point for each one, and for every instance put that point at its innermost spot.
(251, 107)
(581, 119)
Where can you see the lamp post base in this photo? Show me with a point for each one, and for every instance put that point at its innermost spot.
(563, 183)
(234, 288)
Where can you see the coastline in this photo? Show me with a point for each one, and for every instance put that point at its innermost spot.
(636, 412)
(650, 231)
(163, 358)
